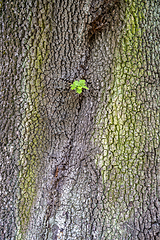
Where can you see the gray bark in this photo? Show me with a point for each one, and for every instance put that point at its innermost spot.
(80, 166)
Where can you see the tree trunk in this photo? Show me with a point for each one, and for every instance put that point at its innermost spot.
(80, 166)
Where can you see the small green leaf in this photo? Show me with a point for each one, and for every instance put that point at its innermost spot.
(72, 87)
(82, 83)
(78, 85)
(79, 90)
(85, 87)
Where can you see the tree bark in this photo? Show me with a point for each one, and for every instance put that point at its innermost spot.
(80, 166)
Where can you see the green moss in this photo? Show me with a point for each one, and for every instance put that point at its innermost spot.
(124, 130)
(33, 135)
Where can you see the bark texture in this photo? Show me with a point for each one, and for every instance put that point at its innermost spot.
(80, 166)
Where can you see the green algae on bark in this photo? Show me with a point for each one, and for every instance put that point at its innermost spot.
(33, 126)
(128, 131)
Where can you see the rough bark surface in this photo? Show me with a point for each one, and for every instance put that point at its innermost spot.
(80, 166)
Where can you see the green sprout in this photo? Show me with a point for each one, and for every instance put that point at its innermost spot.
(78, 85)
